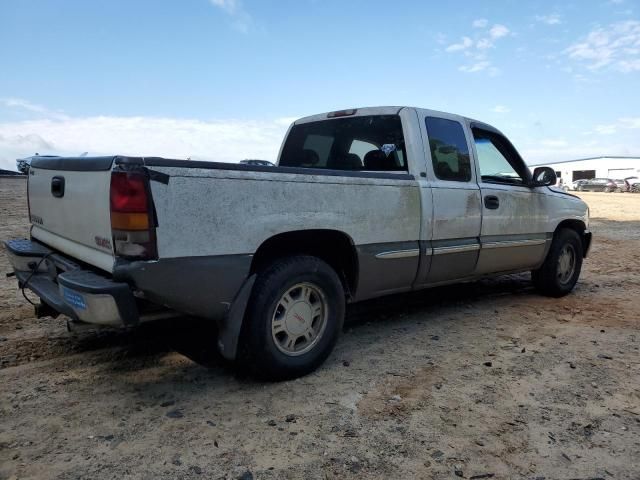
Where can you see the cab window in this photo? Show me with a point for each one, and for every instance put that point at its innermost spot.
(449, 151)
(497, 160)
(368, 143)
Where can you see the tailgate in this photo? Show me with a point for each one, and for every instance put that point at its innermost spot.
(69, 207)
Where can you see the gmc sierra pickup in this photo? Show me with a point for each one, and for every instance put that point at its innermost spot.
(362, 203)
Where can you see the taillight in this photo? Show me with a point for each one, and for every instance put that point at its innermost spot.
(132, 222)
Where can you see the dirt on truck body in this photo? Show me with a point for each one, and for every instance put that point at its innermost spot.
(482, 380)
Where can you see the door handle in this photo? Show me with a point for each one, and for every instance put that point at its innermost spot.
(491, 202)
(57, 187)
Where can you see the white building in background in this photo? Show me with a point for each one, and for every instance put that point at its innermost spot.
(596, 167)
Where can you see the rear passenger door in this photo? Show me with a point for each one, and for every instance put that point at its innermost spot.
(454, 243)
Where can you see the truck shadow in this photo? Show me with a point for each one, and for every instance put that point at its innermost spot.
(195, 340)
(136, 348)
(434, 299)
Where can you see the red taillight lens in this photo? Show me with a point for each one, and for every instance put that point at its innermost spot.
(128, 193)
(132, 220)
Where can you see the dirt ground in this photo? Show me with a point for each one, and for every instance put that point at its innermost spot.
(486, 380)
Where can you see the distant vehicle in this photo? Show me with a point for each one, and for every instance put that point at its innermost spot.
(258, 163)
(633, 184)
(23, 164)
(576, 184)
(623, 186)
(598, 185)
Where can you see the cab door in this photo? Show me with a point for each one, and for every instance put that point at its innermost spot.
(514, 215)
(456, 218)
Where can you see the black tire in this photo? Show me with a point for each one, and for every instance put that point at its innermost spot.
(260, 354)
(551, 279)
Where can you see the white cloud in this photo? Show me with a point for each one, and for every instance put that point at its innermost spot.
(630, 123)
(498, 31)
(475, 67)
(539, 153)
(616, 46)
(229, 6)
(501, 109)
(25, 105)
(241, 20)
(553, 19)
(626, 66)
(619, 137)
(621, 124)
(553, 142)
(217, 140)
(465, 43)
(480, 23)
(484, 43)
(605, 129)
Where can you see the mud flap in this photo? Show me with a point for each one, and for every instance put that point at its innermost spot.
(229, 329)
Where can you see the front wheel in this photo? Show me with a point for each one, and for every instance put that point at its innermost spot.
(294, 318)
(560, 271)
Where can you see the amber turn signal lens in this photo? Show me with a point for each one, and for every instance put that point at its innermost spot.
(129, 221)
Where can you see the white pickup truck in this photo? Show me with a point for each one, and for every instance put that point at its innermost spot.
(362, 203)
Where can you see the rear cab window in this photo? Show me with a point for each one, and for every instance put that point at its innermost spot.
(365, 143)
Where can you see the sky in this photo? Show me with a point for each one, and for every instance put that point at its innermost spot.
(222, 79)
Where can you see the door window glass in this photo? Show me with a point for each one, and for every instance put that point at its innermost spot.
(493, 161)
(449, 151)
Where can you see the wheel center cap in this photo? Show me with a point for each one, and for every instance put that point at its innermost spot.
(298, 318)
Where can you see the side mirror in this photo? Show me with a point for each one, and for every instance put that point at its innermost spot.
(544, 177)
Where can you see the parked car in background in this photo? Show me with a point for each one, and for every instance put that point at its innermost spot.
(574, 185)
(23, 164)
(623, 186)
(633, 184)
(598, 185)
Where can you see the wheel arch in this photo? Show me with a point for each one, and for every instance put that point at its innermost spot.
(580, 228)
(333, 246)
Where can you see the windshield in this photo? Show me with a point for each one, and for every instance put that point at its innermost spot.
(373, 143)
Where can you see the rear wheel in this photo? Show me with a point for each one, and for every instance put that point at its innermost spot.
(561, 269)
(294, 317)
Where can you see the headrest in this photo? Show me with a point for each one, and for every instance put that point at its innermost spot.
(377, 160)
(310, 157)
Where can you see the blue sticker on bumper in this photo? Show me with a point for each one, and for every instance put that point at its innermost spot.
(74, 299)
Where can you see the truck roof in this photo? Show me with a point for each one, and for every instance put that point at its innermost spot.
(389, 110)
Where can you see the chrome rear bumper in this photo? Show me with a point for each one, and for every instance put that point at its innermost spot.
(81, 294)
